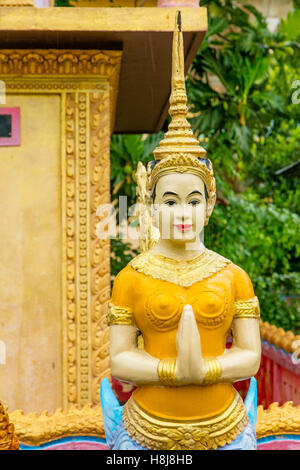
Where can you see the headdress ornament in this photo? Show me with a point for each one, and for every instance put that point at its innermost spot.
(179, 151)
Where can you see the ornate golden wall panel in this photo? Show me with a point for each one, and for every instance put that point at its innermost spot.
(87, 83)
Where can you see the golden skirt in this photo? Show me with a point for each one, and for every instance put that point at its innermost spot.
(156, 433)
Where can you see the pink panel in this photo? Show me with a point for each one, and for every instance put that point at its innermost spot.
(15, 138)
(280, 445)
(83, 445)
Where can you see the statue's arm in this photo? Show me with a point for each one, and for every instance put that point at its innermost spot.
(127, 361)
(242, 360)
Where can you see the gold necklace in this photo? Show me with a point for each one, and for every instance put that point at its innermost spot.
(183, 272)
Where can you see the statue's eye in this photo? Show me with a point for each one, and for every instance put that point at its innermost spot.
(194, 202)
(170, 203)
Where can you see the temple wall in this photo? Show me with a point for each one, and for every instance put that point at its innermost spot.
(54, 270)
(30, 280)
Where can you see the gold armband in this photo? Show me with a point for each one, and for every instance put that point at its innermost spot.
(247, 308)
(213, 371)
(119, 315)
(166, 371)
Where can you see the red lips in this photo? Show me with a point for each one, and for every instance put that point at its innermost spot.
(183, 228)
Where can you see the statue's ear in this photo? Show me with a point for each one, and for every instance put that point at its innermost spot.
(153, 214)
(210, 204)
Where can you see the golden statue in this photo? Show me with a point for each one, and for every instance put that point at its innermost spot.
(182, 301)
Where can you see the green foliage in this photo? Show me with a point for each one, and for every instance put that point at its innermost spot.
(290, 26)
(271, 154)
(121, 254)
(250, 129)
(264, 240)
(126, 152)
(239, 52)
(253, 130)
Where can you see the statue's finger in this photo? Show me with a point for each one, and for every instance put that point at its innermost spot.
(183, 333)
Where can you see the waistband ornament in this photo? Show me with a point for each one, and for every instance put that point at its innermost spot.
(156, 433)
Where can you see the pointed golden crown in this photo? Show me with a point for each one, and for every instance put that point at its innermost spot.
(179, 151)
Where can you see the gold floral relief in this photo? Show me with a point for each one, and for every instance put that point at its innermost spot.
(99, 248)
(8, 439)
(155, 433)
(33, 429)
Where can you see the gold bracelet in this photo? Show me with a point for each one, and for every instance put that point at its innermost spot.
(166, 371)
(213, 371)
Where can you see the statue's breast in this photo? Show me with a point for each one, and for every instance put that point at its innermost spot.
(210, 305)
(163, 306)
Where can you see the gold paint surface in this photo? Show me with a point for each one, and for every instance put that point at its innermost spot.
(100, 19)
(116, 3)
(16, 3)
(30, 250)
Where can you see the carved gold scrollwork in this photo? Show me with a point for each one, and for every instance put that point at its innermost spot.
(99, 260)
(70, 366)
(33, 429)
(8, 440)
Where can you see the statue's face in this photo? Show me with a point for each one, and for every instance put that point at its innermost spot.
(180, 206)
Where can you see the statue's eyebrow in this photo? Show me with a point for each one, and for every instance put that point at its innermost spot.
(170, 192)
(196, 192)
(175, 194)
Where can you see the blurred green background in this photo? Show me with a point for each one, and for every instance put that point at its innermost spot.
(245, 110)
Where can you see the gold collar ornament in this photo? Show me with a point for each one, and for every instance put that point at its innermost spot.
(178, 152)
(183, 272)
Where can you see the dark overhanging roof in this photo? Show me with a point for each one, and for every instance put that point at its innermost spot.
(144, 35)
